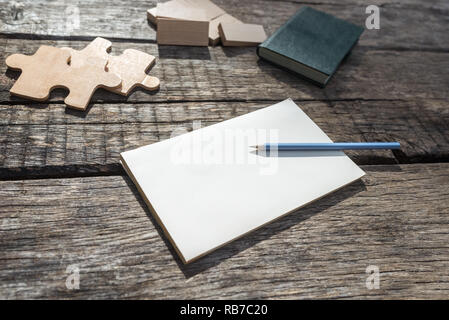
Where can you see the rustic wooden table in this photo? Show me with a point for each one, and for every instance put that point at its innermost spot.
(66, 202)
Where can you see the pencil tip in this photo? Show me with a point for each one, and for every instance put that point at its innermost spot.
(257, 147)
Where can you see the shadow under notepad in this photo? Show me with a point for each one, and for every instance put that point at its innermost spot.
(256, 236)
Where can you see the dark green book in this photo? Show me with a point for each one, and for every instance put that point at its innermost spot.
(312, 44)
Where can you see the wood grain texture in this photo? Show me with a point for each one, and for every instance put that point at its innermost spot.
(101, 225)
(392, 87)
(83, 20)
(34, 140)
(218, 73)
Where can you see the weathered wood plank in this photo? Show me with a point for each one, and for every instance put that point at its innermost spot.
(199, 73)
(50, 141)
(379, 3)
(117, 19)
(101, 225)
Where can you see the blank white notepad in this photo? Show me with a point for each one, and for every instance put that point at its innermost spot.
(208, 187)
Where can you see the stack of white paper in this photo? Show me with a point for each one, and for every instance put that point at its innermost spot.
(208, 187)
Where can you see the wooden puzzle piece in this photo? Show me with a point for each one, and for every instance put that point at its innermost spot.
(182, 32)
(204, 10)
(33, 82)
(152, 15)
(130, 66)
(214, 36)
(49, 68)
(95, 52)
(240, 34)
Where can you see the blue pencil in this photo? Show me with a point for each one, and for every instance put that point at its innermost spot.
(328, 146)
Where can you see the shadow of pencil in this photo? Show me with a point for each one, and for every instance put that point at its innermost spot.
(298, 153)
(251, 239)
(360, 157)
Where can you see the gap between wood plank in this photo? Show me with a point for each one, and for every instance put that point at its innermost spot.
(115, 169)
(31, 102)
(26, 36)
